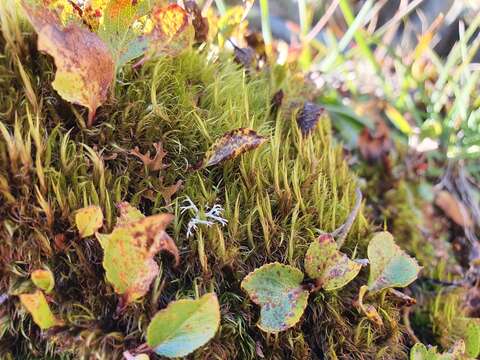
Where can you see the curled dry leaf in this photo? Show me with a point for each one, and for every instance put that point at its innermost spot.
(231, 145)
(129, 251)
(85, 68)
(88, 220)
(453, 208)
(37, 306)
(43, 279)
(390, 266)
(184, 326)
(277, 288)
(331, 268)
(308, 117)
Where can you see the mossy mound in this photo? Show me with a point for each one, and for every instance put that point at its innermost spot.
(276, 200)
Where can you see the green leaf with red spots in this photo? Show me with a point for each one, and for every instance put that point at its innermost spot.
(184, 326)
(331, 268)
(37, 306)
(88, 220)
(85, 67)
(43, 279)
(122, 31)
(129, 251)
(231, 145)
(277, 288)
(390, 266)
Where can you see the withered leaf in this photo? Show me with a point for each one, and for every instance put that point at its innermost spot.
(309, 116)
(85, 68)
(200, 23)
(244, 56)
(155, 163)
(231, 145)
(454, 208)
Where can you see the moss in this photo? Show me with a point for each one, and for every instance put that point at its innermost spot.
(276, 200)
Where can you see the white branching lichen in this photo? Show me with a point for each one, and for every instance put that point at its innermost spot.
(207, 217)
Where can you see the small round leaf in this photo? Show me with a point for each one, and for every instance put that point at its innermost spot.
(277, 289)
(43, 279)
(332, 268)
(88, 220)
(184, 325)
(390, 266)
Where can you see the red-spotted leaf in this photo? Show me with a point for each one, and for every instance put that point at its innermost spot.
(85, 68)
(277, 288)
(231, 145)
(121, 30)
(390, 266)
(129, 251)
(43, 279)
(331, 268)
(184, 326)
(308, 117)
(37, 306)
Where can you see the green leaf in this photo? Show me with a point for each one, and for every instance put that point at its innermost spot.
(231, 145)
(277, 288)
(331, 268)
(37, 306)
(88, 220)
(472, 338)
(421, 352)
(184, 326)
(390, 266)
(117, 29)
(43, 279)
(129, 251)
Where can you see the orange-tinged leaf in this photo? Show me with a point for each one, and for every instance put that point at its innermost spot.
(88, 220)
(129, 251)
(231, 145)
(454, 209)
(119, 29)
(43, 279)
(85, 68)
(172, 32)
(37, 306)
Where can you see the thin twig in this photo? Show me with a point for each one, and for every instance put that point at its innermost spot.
(340, 234)
(322, 22)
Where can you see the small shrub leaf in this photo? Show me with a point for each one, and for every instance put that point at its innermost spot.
(231, 145)
(43, 279)
(184, 325)
(37, 306)
(421, 352)
(390, 266)
(331, 268)
(309, 116)
(277, 288)
(88, 220)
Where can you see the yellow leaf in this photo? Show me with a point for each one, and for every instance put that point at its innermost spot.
(37, 306)
(89, 220)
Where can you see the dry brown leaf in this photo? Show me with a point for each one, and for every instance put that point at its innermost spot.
(453, 208)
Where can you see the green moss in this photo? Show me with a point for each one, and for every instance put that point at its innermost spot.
(276, 201)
